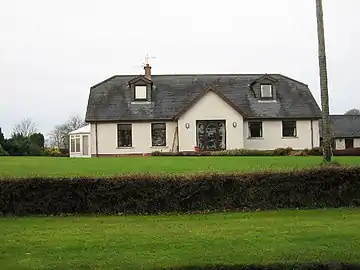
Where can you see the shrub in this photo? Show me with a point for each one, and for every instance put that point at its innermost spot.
(156, 194)
(3, 152)
(316, 151)
(282, 151)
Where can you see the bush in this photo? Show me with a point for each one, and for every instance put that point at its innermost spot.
(56, 152)
(317, 151)
(156, 194)
(232, 152)
(3, 152)
(282, 151)
(277, 266)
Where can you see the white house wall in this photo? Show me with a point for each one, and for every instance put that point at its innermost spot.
(210, 107)
(272, 136)
(141, 139)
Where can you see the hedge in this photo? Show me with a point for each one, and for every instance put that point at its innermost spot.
(247, 152)
(156, 194)
(278, 266)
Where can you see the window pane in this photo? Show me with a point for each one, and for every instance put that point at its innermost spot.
(158, 134)
(266, 90)
(289, 128)
(77, 145)
(72, 145)
(140, 92)
(255, 129)
(124, 135)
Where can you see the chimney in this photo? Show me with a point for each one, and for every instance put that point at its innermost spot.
(147, 71)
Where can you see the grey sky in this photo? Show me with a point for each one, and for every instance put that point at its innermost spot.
(52, 52)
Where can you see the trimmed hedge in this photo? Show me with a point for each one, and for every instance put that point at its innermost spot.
(276, 152)
(245, 152)
(155, 194)
(278, 266)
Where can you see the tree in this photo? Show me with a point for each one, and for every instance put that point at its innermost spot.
(38, 139)
(26, 127)
(2, 137)
(18, 145)
(353, 112)
(323, 82)
(59, 136)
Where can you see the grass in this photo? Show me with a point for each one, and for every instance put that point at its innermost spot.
(109, 242)
(46, 166)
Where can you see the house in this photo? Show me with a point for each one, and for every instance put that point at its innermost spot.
(140, 114)
(345, 131)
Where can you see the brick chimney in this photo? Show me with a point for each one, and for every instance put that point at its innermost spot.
(147, 71)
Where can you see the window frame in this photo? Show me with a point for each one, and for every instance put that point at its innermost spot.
(142, 98)
(261, 129)
(75, 144)
(163, 129)
(271, 91)
(284, 122)
(118, 135)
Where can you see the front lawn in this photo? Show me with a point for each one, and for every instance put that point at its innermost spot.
(109, 242)
(46, 166)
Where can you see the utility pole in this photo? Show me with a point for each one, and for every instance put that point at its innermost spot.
(323, 82)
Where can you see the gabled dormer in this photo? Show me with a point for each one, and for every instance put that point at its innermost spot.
(264, 88)
(141, 86)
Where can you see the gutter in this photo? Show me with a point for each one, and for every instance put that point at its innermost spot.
(312, 134)
(96, 141)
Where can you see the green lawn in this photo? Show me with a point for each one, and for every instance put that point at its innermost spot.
(46, 166)
(107, 242)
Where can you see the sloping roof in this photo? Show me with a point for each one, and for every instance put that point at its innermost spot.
(110, 100)
(344, 126)
(84, 129)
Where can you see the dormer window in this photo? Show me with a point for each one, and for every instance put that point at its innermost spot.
(140, 92)
(266, 91)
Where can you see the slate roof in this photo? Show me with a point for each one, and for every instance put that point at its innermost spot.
(110, 100)
(344, 126)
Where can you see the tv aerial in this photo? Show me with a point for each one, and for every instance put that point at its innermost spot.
(147, 58)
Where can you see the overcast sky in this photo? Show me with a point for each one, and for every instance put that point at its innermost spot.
(52, 52)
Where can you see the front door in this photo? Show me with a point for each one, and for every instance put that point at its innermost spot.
(211, 135)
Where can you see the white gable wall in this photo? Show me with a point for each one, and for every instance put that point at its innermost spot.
(210, 107)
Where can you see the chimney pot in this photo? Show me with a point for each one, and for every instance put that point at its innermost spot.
(147, 71)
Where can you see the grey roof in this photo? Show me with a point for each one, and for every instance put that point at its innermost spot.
(110, 100)
(344, 126)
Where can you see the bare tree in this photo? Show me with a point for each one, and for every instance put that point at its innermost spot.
(26, 127)
(353, 112)
(323, 82)
(75, 122)
(59, 135)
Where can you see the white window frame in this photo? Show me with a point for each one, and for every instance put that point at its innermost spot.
(75, 138)
(140, 92)
(266, 87)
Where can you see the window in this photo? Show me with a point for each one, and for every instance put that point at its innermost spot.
(289, 128)
(266, 91)
(158, 134)
(140, 92)
(124, 136)
(75, 144)
(255, 129)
